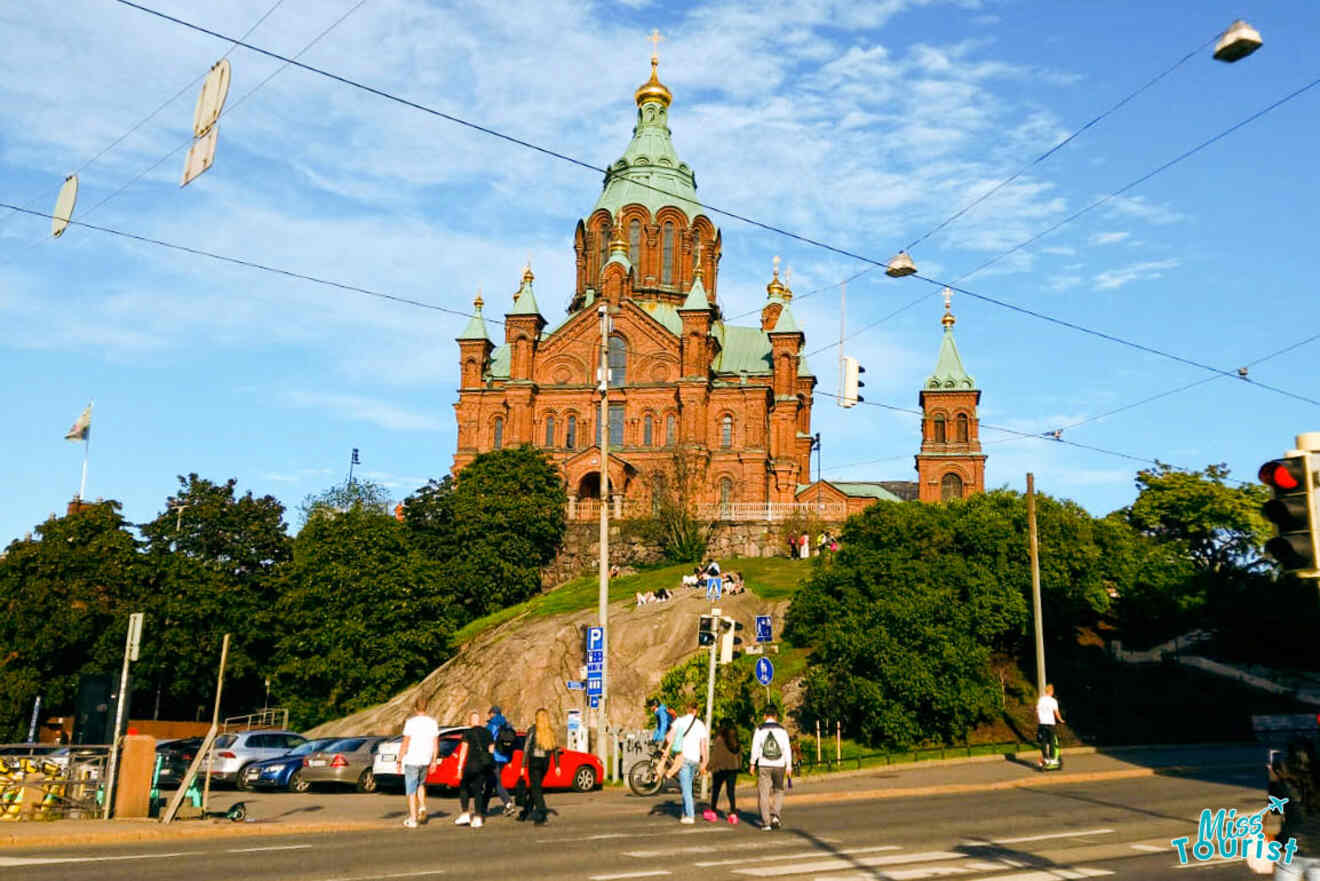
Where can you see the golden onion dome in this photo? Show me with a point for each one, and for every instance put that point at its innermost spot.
(653, 89)
(775, 290)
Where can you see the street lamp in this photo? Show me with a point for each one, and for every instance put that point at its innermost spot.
(1236, 43)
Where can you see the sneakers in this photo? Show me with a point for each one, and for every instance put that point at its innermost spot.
(476, 822)
(687, 821)
(774, 821)
(733, 819)
(709, 816)
(765, 827)
(510, 809)
(463, 819)
(410, 823)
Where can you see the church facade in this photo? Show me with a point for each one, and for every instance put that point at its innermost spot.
(690, 398)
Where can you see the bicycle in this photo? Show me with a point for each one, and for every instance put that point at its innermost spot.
(647, 776)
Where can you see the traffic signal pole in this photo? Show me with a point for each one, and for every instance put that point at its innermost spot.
(602, 751)
(1292, 509)
(717, 625)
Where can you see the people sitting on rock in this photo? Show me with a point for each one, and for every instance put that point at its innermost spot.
(733, 583)
(693, 579)
(659, 596)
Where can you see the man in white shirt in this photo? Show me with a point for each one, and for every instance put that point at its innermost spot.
(688, 735)
(417, 759)
(1047, 716)
(772, 762)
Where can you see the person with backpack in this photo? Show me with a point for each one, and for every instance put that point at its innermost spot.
(540, 751)
(475, 758)
(689, 742)
(505, 739)
(772, 763)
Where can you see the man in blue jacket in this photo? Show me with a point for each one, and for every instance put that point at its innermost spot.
(661, 713)
(495, 724)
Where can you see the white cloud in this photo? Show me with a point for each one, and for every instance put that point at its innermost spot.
(1113, 279)
(1108, 238)
(1142, 208)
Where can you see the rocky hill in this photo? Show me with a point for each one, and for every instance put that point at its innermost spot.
(523, 663)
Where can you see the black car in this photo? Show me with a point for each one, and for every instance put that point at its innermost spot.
(176, 756)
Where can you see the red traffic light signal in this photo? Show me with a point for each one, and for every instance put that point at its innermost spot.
(1292, 511)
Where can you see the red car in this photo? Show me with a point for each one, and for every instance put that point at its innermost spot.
(577, 771)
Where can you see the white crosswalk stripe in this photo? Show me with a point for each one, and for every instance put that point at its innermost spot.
(830, 864)
(1054, 873)
(708, 848)
(801, 855)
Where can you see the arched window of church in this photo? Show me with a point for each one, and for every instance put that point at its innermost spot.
(604, 247)
(951, 487)
(726, 495)
(940, 435)
(726, 431)
(635, 242)
(618, 361)
(671, 430)
(960, 428)
(570, 437)
(550, 431)
(667, 264)
(648, 431)
(499, 433)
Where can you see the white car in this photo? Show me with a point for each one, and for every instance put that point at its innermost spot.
(234, 752)
(384, 767)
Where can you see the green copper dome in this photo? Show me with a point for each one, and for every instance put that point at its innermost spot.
(649, 172)
(949, 372)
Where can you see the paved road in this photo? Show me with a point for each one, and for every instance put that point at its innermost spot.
(1118, 830)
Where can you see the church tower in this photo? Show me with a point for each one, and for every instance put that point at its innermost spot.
(950, 464)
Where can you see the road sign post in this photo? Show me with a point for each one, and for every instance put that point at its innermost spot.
(131, 644)
(765, 673)
(764, 633)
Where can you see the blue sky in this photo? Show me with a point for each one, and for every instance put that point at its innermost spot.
(863, 125)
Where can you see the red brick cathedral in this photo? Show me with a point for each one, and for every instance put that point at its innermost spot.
(736, 401)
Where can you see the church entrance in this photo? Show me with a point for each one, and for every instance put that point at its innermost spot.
(589, 487)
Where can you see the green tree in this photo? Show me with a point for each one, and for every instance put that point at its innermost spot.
(674, 524)
(736, 691)
(344, 497)
(216, 557)
(62, 609)
(362, 615)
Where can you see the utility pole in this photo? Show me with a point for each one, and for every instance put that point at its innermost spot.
(815, 445)
(131, 643)
(601, 750)
(1035, 583)
(717, 627)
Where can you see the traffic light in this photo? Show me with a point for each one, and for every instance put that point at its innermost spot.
(1292, 511)
(851, 382)
(728, 638)
(706, 631)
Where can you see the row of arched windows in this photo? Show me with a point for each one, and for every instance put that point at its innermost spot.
(668, 241)
(649, 430)
(940, 432)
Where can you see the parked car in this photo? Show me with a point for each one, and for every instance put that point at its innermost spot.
(385, 771)
(176, 756)
(280, 772)
(234, 752)
(346, 762)
(577, 770)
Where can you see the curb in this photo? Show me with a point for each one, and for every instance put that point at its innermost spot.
(96, 831)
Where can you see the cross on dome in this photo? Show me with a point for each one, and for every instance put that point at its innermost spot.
(655, 39)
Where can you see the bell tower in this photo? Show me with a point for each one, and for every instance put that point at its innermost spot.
(950, 464)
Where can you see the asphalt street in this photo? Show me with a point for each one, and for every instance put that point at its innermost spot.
(1119, 830)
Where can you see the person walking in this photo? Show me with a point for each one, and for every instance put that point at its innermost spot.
(417, 759)
(475, 757)
(772, 763)
(725, 763)
(1047, 717)
(540, 751)
(504, 738)
(688, 735)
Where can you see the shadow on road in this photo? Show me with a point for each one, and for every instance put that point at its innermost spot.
(1006, 857)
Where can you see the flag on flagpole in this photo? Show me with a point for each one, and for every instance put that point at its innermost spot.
(82, 428)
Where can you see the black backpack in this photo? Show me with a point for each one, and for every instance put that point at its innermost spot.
(506, 740)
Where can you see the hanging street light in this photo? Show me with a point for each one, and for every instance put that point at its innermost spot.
(900, 265)
(1239, 41)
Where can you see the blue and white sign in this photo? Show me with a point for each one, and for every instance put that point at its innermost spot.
(595, 701)
(765, 671)
(595, 685)
(596, 657)
(763, 632)
(595, 639)
(574, 685)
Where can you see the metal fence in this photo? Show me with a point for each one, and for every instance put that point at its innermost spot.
(735, 512)
(41, 782)
(275, 717)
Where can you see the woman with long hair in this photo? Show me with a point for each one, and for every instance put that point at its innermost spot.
(725, 763)
(540, 750)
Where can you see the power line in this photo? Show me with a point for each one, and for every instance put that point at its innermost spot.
(251, 264)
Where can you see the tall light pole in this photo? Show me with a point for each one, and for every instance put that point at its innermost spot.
(1034, 550)
(604, 387)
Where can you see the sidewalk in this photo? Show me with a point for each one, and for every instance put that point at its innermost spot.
(288, 814)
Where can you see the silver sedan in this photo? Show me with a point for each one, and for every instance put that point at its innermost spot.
(346, 761)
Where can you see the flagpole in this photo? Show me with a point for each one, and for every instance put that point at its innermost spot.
(82, 487)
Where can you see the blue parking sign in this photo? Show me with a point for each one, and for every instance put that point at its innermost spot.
(763, 633)
(595, 639)
(595, 701)
(595, 685)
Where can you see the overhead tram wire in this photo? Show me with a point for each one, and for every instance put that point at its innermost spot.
(751, 221)
(170, 100)
(251, 264)
(229, 108)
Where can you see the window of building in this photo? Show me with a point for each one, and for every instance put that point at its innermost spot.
(648, 431)
(570, 436)
(604, 248)
(618, 361)
(499, 433)
(635, 242)
(951, 487)
(726, 494)
(667, 252)
(940, 434)
(671, 430)
(616, 425)
(960, 428)
(550, 431)
(726, 431)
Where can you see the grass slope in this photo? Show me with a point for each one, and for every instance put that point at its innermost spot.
(771, 578)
